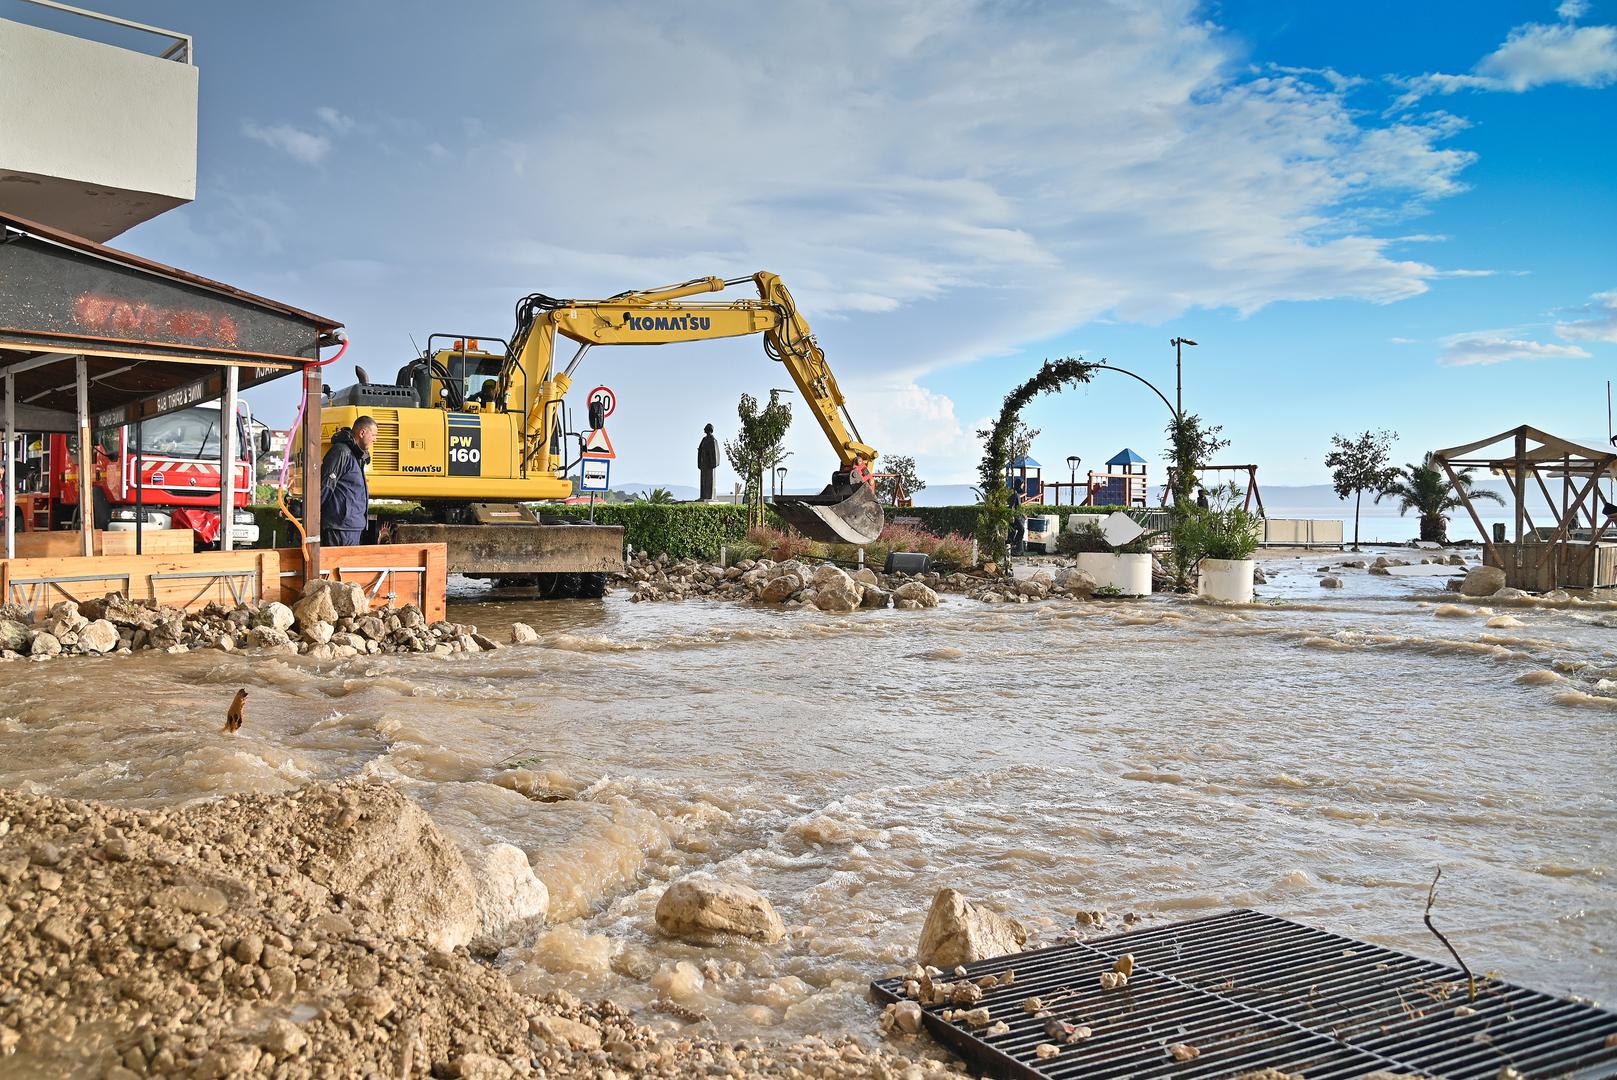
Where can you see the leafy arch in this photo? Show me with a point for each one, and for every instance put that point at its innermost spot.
(994, 516)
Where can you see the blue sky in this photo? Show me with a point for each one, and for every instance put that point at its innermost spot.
(1376, 215)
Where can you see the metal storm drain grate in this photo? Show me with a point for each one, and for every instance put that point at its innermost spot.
(1244, 992)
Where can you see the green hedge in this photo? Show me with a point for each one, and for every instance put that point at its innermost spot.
(679, 530)
(944, 520)
(697, 530)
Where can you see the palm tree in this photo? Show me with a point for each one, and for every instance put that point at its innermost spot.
(659, 495)
(1424, 489)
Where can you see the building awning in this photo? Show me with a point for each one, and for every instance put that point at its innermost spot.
(153, 337)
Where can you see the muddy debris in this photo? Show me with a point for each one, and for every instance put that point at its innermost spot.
(320, 933)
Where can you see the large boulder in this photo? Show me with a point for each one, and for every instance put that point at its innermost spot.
(267, 637)
(64, 619)
(275, 615)
(917, 593)
(44, 644)
(315, 632)
(349, 599)
(1076, 583)
(1483, 581)
(14, 635)
(314, 606)
(705, 910)
(99, 636)
(835, 590)
(958, 931)
(509, 896)
(873, 596)
(827, 574)
(781, 589)
(523, 634)
(837, 598)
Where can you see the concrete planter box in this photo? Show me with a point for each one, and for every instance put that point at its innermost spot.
(1128, 574)
(1226, 580)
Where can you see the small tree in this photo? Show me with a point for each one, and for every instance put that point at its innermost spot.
(1424, 489)
(1191, 448)
(1361, 464)
(899, 480)
(657, 495)
(758, 446)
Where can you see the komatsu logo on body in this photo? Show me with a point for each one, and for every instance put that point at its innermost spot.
(668, 322)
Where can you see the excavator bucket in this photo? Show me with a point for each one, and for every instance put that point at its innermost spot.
(841, 514)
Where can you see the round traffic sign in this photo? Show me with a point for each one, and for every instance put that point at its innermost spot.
(608, 398)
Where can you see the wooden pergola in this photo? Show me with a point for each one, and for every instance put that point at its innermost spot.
(1568, 552)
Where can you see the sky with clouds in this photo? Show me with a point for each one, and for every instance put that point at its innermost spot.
(1369, 215)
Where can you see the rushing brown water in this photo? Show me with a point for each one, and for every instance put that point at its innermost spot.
(1316, 756)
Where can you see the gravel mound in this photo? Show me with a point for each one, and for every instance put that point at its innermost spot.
(316, 934)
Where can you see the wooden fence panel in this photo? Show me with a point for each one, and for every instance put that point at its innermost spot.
(394, 574)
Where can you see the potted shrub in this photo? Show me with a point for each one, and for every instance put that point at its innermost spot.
(1224, 537)
(1123, 567)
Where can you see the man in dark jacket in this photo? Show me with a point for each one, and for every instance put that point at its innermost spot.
(345, 498)
(707, 459)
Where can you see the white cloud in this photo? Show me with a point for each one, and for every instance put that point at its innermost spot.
(1497, 346)
(305, 146)
(1572, 9)
(909, 419)
(1598, 322)
(334, 120)
(947, 182)
(1534, 54)
(308, 147)
(1537, 55)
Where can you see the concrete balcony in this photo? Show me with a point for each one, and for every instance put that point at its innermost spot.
(95, 137)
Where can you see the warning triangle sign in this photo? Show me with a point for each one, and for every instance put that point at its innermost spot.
(597, 445)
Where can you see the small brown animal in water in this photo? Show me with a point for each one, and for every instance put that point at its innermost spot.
(234, 717)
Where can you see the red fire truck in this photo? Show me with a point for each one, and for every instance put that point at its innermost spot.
(170, 480)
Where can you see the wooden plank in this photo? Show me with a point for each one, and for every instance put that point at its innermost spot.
(153, 542)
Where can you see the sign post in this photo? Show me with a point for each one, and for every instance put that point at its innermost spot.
(595, 461)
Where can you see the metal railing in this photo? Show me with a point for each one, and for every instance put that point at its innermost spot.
(180, 48)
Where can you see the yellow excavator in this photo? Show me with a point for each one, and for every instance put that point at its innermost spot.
(474, 434)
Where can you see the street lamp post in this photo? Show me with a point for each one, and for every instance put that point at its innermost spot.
(780, 480)
(1073, 461)
(1178, 344)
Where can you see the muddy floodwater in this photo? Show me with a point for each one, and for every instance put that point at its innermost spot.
(1316, 755)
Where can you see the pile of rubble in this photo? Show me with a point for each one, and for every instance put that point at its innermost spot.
(325, 932)
(794, 584)
(332, 620)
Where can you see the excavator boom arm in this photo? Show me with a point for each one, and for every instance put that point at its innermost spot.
(845, 511)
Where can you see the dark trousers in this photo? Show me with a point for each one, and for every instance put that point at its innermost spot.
(339, 537)
(707, 485)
